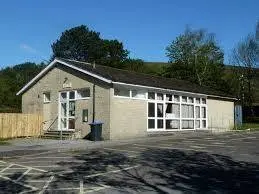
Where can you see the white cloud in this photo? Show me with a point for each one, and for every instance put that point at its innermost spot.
(27, 48)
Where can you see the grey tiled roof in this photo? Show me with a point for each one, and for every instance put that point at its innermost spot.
(130, 77)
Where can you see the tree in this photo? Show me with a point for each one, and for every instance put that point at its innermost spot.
(246, 57)
(81, 43)
(113, 54)
(136, 65)
(12, 79)
(195, 56)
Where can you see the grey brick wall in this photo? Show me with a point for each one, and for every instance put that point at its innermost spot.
(32, 99)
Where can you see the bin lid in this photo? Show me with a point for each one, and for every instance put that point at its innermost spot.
(96, 122)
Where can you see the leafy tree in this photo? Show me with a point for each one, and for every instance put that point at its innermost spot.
(81, 43)
(136, 65)
(12, 79)
(195, 56)
(246, 57)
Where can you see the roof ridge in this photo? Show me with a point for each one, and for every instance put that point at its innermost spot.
(141, 73)
(74, 60)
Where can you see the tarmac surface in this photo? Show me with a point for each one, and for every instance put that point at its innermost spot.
(205, 163)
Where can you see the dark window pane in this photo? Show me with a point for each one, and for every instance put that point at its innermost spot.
(169, 97)
(160, 123)
(203, 112)
(72, 95)
(151, 123)
(71, 123)
(151, 95)
(204, 124)
(151, 109)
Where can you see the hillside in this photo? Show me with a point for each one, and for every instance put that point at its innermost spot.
(12, 79)
(157, 68)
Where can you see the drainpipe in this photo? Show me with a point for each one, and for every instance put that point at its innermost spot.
(93, 95)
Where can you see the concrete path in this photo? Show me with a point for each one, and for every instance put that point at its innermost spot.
(22, 146)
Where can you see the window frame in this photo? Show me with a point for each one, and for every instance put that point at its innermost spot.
(191, 102)
(82, 98)
(44, 97)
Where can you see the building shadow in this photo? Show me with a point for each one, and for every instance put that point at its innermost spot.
(10, 187)
(162, 171)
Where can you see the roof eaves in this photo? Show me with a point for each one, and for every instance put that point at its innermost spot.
(167, 89)
(56, 60)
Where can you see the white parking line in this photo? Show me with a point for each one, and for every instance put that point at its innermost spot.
(26, 172)
(81, 186)
(6, 168)
(63, 189)
(14, 164)
(48, 161)
(22, 168)
(110, 172)
(95, 189)
(46, 185)
(36, 181)
(24, 156)
(35, 173)
(24, 185)
(51, 166)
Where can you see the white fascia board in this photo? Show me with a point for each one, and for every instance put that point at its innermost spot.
(65, 64)
(84, 71)
(170, 90)
(36, 77)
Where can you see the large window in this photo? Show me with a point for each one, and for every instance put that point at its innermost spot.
(83, 93)
(172, 112)
(138, 94)
(120, 91)
(128, 92)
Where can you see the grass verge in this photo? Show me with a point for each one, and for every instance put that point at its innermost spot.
(3, 142)
(251, 126)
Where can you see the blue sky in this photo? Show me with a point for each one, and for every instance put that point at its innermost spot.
(145, 27)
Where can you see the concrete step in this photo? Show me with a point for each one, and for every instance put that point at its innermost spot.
(57, 135)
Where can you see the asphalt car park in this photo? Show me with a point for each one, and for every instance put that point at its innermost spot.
(223, 163)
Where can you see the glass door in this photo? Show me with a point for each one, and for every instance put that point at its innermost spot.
(67, 110)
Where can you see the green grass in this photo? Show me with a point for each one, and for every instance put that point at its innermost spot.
(251, 126)
(3, 142)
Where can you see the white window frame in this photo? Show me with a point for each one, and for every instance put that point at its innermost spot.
(45, 98)
(130, 93)
(83, 98)
(180, 119)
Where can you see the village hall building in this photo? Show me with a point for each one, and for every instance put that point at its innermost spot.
(70, 93)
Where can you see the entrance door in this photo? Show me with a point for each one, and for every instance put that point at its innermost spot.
(67, 110)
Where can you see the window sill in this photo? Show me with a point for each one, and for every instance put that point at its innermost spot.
(87, 98)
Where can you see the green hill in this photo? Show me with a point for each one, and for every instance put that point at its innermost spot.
(157, 68)
(12, 79)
